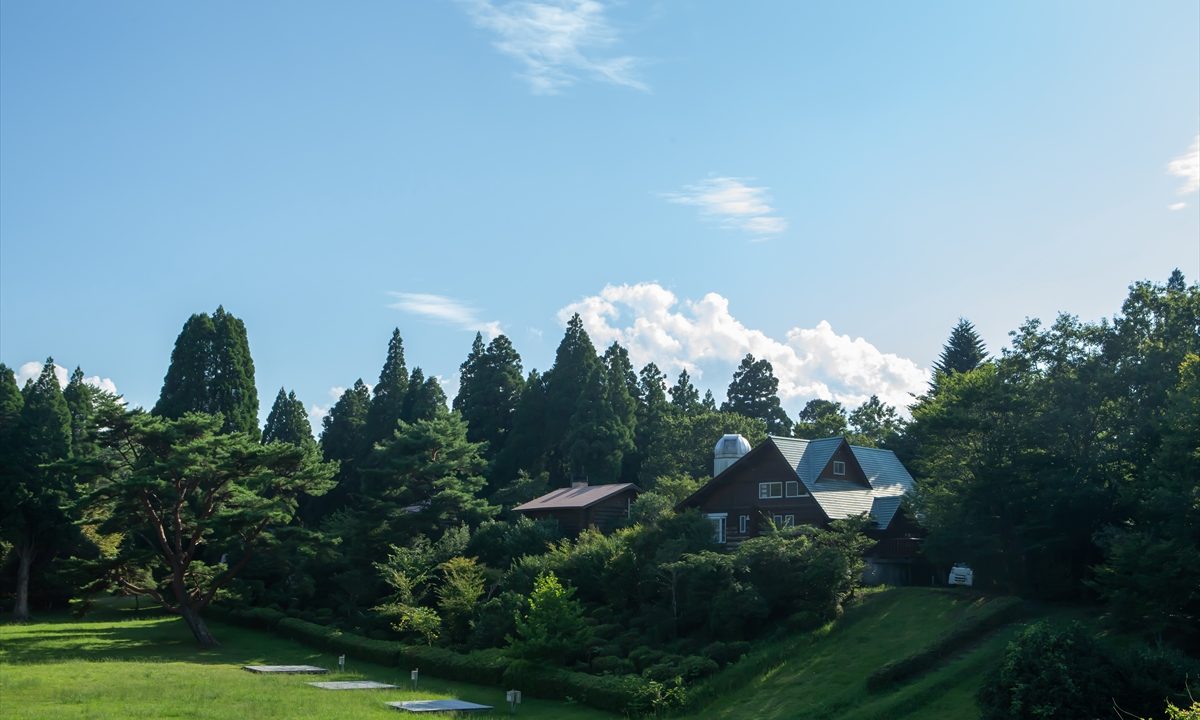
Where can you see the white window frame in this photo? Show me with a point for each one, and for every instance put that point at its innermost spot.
(764, 491)
(778, 520)
(839, 467)
(743, 524)
(719, 528)
(789, 521)
(798, 490)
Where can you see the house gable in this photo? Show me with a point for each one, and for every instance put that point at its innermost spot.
(843, 459)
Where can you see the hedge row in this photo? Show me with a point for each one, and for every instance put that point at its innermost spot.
(997, 613)
(625, 694)
(483, 667)
(383, 652)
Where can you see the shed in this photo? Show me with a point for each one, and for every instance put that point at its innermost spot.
(581, 506)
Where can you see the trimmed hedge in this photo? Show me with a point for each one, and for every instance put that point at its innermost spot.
(383, 652)
(484, 667)
(998, 612)
(258, 618)
(625, 694)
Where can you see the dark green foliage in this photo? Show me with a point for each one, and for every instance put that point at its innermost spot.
(81, 399)
(387, 403)
(598, 439)
(527, 444)
(575, 370)
(498, 543)
(684, 446)
(964, 351)
(997, 613)
(821, 419)
(754, 392)
(1050, 673)
(484, 667)
(45, 419)
(343, 440)
(211, 371)
(616, 693)
(685, 398)
(354, 647)
(489, 390)
(194, 505)
(553, 628)
(652, 411)
(425, 399)
(875, 424)
(288, 422)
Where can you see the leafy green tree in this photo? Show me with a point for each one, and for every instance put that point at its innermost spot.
(458, 595)
(754, 392)
(288, 422)
(685, 397)
(526, 446)
(821, 419)
(598, 440)
(211, 371)
(425, 399)
(964, 351)
(685, 445)
(553, 629)
(195, 504)
(875, 423)
(344, 440)
(490, 388)
(387, 403)
(36, 489)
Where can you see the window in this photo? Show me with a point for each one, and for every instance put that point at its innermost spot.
(770, 490)
(789, 521)
(743, 524)
(778, 520)
(793, 489)
(718, 521)
(839, 467)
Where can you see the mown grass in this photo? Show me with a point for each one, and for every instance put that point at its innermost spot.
(121, 665)
(823, 675)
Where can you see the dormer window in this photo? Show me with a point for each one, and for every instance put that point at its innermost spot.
(839, 467)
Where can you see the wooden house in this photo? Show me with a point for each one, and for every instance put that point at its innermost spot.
(582, 506)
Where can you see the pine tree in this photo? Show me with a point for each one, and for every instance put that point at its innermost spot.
(526, 446)
(964, 351)
(387, 405)
(754, 393)
(469, 375)
(288, 422)
(597, 439)
(344, 439)
(211, 371)
(821, 419)
(709, 403)
(685, 398)
(36, 492)
(574, 362)
(424, 400)
(489, 390)
(653, 409)
(80, 399)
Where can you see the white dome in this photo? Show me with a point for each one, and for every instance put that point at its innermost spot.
(731, 446)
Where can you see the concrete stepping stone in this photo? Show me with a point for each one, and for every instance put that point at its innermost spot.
(432, 706)
(353, 685)
(286, 669)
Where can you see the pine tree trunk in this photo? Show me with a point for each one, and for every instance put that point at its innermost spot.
(198, 627)
(25, 553)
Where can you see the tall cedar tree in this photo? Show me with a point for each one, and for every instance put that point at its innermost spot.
(821, 419)
(526, 446)
(489, 389)
(425, 479)
(211, 371)
(964, 351)
(288, 422)
(623, 394)
(80, 398)
(685, 398)
(754, 392)
(598, 439)
(653, 409)
(36, 489)
(574, 363)
(343, 439)
(425, 399)
(387, 405)
(194, 504)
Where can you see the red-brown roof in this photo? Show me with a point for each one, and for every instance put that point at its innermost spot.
(575, 498)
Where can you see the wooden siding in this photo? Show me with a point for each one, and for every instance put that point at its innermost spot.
(854, 471)
(738, 496)
(605, 515)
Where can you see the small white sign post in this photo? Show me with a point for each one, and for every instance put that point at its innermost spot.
(513, 698)
(414, 675)
(341, 663)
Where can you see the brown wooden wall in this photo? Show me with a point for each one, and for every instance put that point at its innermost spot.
(854, 472)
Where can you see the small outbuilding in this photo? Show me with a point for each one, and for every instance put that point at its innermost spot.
(582, 506)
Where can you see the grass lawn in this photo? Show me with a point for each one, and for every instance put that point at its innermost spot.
(823, 675)
(117, 664)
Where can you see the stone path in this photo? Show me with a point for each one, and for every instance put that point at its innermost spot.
(420, 706)
(286, 669)
(352, 685)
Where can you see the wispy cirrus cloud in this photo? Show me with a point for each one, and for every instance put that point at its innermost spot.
(557, 43)
(446, 310)
(1186, 166)
(733, 203)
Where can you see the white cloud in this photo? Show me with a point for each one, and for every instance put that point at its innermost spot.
(1177, 206)
(732, 203)
(444, 309)
(32, 369)
(703, 335)
(556, 42)
(1187, 166)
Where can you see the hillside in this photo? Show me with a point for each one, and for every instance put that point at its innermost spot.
(824, 674)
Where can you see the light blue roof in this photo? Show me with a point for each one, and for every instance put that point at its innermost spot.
(888, 479)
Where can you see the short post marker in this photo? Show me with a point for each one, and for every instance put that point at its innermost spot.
(341, 663)
(513, 698)
(414, 675)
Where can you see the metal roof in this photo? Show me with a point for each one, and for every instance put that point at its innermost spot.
(843, 498)
(575, 498)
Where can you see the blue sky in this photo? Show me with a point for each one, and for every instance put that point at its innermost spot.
(827, 185)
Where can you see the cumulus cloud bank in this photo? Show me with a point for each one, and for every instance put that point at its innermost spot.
(1186, 166)
(815, 362)
(32, 369)
(556, 42)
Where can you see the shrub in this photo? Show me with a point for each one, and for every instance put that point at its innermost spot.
(484, 667)
(1050, 672)
(685, 667)
(554, 628)
(615, 693)
(723, 653)
(643, 657)
(333, 640)
(611, 665)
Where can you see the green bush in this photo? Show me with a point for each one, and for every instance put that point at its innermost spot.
(258, 618)
(723, 653)
(383, 652)
(483, 667)
(998, 612)
(611, 665)
(625, 694)
(685, 667)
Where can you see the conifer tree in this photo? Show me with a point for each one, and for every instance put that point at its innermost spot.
(597, 439)
(574, 362)
(35, 491)
(211, 371)
(526, 446)
(622, 384)
(821, 419)
(288, 422)
(685, 398)
(344, 439)
(80, 399)
(709, 403)
(754, 393)
(387, 405)
(653, 408)
(469, 374)
(424, 400)
(489, 390)
(964, 351)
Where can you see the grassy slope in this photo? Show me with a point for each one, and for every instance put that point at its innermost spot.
(823, 675)
(123, 666)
